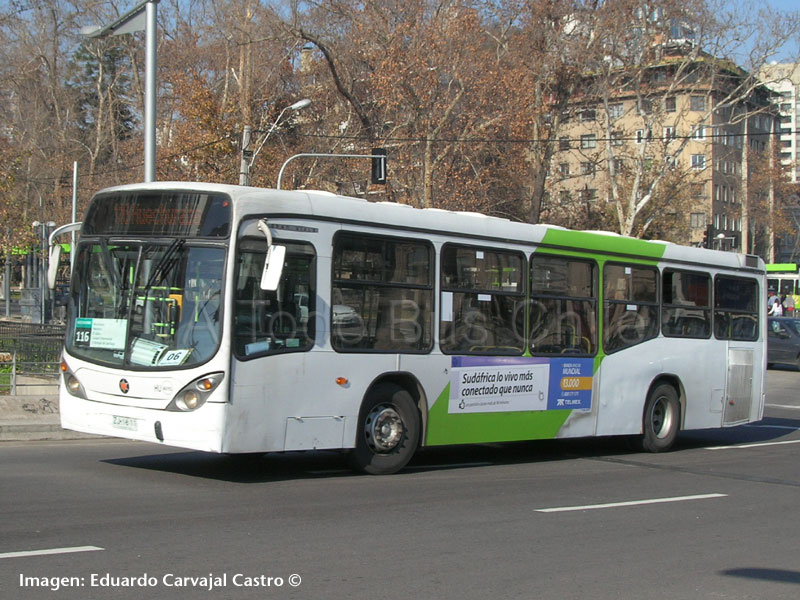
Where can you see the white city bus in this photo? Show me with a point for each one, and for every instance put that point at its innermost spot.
(385, 328)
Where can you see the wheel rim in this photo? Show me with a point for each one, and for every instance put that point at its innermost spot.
(662, 417)
(384, 429)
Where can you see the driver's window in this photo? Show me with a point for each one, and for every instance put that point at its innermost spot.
(268, 322)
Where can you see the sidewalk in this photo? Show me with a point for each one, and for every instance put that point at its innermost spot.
(29, 418)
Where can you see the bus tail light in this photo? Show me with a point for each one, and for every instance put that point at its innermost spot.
(194, 395)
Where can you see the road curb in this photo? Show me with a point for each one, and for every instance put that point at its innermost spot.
(33, 418)
(30, 432)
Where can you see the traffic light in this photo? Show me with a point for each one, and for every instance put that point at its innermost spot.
(708, 236)
(379, 165)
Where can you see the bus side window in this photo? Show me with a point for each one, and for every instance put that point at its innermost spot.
(686, 302)
(630, 305)
(563, 307)
(736, 308)
(382, 294)
(483, 290)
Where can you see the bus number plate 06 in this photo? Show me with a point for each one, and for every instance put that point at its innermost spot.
(125, 423)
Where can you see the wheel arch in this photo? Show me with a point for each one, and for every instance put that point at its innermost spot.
(411, 384)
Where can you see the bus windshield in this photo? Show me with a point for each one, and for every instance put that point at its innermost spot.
(143, 305)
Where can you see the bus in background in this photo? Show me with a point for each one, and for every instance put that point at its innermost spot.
(233, 319)
(784, 280)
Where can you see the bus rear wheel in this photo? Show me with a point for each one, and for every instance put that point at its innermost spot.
(388, 431)
(662, 416)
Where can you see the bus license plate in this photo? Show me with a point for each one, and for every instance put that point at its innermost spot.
(126, 423)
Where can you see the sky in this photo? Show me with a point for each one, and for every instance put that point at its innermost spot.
(752, 9)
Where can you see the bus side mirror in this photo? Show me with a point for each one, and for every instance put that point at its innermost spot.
(273, 268)
(52, 267)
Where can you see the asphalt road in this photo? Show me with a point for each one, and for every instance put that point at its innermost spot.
(716, 518)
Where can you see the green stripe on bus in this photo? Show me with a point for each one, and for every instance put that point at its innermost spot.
(782, 268)
(586, 243)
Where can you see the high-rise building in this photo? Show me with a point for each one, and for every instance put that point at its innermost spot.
(784, 80)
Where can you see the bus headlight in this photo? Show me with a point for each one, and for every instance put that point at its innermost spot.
(71, 383)
(194, 395)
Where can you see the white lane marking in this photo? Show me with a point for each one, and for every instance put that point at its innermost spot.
(782, 406)
(773, 427)
(759, 445)
(631, 503)
(50, 551)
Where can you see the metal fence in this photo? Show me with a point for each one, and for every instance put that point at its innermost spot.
(29, 358)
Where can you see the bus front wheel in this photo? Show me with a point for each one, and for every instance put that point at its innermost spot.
(662, 416)
(388, 431)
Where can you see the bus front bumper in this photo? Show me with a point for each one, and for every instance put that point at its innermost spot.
(201, 429)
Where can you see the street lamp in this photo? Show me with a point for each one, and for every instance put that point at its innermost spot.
(140, 18)
(248, 156)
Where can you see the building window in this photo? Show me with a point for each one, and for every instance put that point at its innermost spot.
(588, 195)
(670, 104)
(697, 220)
(697, 103)
(563, 169)
(588, 114)
(615, 111)
(670, 133)
(587, 168)
(563, 143)
(616, 138)
(698, 161)
(588, 141)
(699, 133)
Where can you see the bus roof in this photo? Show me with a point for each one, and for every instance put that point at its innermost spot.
(401, 217)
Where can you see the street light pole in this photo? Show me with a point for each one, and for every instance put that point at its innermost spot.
(248, 156)
(151, 67)
(140, 18)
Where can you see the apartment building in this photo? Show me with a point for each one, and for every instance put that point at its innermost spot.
(681, 134)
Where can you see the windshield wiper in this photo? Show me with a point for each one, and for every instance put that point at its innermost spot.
(165, 264)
